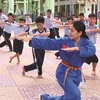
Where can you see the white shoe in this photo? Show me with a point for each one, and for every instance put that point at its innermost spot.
(39, 97)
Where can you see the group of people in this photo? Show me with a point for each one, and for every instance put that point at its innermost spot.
(74, 48)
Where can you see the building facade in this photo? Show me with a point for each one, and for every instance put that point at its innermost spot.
(26, 6)
(69, 7)
(63, 7)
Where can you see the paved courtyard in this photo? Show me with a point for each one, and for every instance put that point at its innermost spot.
(14, 86)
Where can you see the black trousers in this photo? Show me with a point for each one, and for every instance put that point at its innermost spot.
(52, 33)
(6, 40)
(18, 46)
(57, 32)
(57, 54)
(1, 31)
(91, 59)
(39, 54)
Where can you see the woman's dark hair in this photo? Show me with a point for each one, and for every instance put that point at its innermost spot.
(39, 19)
(80, 27)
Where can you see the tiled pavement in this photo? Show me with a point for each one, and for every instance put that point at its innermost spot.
(13, 86)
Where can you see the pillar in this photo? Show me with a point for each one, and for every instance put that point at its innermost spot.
(49, 4)
(24, 6)
(11, 6)
(40, 6)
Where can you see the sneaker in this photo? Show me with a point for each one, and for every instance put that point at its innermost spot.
(39, 97)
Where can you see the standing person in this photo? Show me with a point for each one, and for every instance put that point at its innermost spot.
(56, 22)
(66, 31)
(82, 18)
(28, 21)
(39, 32)
(2, 18)
(7, 31)
(73, 50)
(17, 43)
(48, 23)
(93, 37)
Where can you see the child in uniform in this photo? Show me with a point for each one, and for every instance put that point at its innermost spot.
(93, 37)
(7, 31)
(28, 21)
(48, 23)
(17, 43)
(40, 32)
(2, 18)
(66, 30)
(56, 22)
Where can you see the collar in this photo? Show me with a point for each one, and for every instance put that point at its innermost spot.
(91, 27)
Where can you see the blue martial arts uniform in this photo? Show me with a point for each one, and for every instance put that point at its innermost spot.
(75, 58)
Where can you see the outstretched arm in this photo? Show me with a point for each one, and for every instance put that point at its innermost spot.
(7, 23)
(46, 44)
(42, 34)
(33, 23)
(64, 26)
(20, 36)
(93, 30)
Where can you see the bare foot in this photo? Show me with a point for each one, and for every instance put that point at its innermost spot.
(23, 71)
(18, 63)
(40, 77)
(57, 58)
(93, 73)
(10, 59)
(10, 51)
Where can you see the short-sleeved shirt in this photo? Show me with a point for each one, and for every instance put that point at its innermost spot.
(29, 20)
(92, 35)
(55, 25)
(8, 28)
(3, 18)
(85, 22)
(17, 29)
(48, 22)
(36, 31)
(66, 31)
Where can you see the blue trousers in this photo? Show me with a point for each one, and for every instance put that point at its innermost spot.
(71, 90)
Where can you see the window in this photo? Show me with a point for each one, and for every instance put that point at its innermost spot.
(62, 10)
(67, 10)
(76, 10)
(56, 0)
(56, 9)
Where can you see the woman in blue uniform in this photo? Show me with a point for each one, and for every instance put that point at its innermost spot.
(73, 50)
